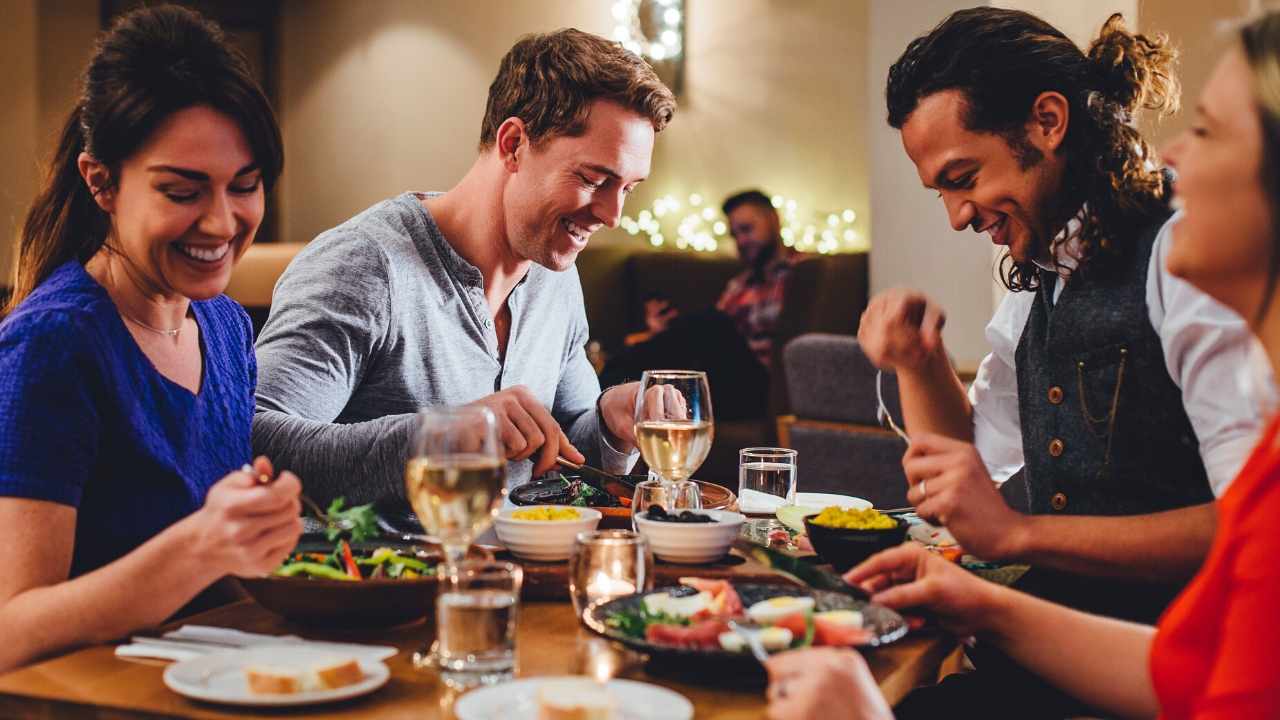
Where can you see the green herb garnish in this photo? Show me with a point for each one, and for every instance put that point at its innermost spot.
(359, 523)
(633, 623)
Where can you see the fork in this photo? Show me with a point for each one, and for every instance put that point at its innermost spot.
(752, 639)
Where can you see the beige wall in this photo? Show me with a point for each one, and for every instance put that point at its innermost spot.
(377, 98)
(1196, 30)
(18, 112)
(43, 46)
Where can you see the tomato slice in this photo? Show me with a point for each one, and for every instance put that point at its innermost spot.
(826, 632)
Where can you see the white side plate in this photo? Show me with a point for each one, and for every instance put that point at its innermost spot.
(518, 700)
(219, 677)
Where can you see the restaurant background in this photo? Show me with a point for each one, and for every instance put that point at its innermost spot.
(381, 96)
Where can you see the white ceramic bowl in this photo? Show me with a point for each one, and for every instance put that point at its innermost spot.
(692, 543)
(544, 540)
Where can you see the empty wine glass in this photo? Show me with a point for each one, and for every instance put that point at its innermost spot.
(674, 426)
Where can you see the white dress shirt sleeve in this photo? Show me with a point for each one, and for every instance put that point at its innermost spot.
(1209, 351)
(997, 433)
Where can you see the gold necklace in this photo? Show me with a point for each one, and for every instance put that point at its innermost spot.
(161, 331)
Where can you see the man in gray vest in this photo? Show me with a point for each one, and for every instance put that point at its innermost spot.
(1111, 385)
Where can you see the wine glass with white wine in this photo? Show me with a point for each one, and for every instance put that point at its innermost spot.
(456, 476)
(674, 426)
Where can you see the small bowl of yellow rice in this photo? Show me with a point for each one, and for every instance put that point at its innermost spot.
(845, 537)
(544, 532)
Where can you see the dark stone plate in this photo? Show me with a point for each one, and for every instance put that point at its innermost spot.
(886, 625)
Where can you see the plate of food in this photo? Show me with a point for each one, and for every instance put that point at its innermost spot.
(690, 620)
(275, 675)
(352, 575)
(572, 697)
(571, 489)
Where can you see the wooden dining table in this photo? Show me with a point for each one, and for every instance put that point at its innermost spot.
(92, 682)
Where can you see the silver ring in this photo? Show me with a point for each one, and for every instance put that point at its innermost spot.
(924, 492)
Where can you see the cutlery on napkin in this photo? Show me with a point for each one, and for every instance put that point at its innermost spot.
(191, 641)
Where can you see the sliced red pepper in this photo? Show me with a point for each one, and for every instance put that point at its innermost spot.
(349, 561)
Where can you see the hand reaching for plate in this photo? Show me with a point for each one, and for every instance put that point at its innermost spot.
(910, 576)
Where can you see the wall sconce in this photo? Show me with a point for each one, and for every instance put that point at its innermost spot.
(654, 30)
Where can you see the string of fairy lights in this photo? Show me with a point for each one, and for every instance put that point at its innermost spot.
(654, 29)
(665, 39)
(696, 226)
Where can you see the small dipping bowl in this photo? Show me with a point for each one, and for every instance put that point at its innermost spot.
(543, 540)
(692, 543)
(846, 547)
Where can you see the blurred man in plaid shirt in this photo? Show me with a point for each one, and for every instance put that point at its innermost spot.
(734, 341)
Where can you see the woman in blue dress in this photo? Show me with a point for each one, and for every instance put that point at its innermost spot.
(126, 377)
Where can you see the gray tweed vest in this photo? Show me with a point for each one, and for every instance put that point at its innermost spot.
(1104, 431)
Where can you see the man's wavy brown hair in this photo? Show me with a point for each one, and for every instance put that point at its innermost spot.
(1002, 60)
(549, 81)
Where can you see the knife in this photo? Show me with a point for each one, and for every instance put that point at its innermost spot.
(617, 486)
(798, 570)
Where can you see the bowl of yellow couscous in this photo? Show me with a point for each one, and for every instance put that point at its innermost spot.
(544, 532)
(845, 537)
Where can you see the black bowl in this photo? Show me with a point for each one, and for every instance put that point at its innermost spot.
(340, 603)
(844, 548)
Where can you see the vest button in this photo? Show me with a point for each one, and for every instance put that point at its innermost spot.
(1058, 501)
(1055, 395)
(1056, 447)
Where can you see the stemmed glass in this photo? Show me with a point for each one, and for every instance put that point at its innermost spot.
(674, 426)
(456, 476)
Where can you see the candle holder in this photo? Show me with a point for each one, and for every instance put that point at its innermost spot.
(607, 564)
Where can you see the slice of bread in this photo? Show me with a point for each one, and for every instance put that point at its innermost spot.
(274, 680)
(575, 699)
(339, 673)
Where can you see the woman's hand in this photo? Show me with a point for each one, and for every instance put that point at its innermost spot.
(909, 576)
(827, 683)
(247, 527)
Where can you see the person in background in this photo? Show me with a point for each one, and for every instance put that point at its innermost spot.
(469, 296)
(126, 377)
(1109, 385)
(734, 341)
(1215, 651)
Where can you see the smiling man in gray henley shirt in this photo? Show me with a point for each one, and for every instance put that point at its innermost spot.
(470, 296)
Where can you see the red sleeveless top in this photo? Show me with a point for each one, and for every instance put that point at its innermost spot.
(1217, 648)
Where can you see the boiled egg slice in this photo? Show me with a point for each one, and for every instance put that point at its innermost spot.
(775, 638)
(732, 642)
(686, 606)
(844, 618)
(767, 612)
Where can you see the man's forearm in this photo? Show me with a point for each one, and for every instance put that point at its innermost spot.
(934, 400)
(359, 461)
(1163, 546)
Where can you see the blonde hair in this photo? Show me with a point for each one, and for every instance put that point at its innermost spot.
(1260, 40)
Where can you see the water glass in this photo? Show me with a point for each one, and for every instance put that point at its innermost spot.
(476, 622)
(683, 495)
(766, 479)
(607, 564)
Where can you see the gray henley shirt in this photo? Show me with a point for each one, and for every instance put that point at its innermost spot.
(380, 317)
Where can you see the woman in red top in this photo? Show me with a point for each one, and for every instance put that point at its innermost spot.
(1216, 651)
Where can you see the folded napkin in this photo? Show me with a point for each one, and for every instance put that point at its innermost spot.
(191, 641)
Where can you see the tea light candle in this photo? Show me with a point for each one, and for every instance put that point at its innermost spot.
(604, 587)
